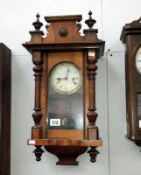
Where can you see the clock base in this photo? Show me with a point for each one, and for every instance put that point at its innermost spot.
(67, 150)
(67, 155)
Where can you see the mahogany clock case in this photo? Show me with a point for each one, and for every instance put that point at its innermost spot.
(5, 108)
(64, 44)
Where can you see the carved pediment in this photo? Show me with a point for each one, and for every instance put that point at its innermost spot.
(134, 24)
(64, 32)
(131, 28)
(64, 29)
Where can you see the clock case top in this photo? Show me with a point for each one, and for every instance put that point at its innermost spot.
(63, 36)
(131, 36)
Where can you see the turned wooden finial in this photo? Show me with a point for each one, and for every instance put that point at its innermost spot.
(37, 24)
(90, 22)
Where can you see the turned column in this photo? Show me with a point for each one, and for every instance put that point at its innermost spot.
(91, 114)
(37, 114)
(36, 37)
(92, 129)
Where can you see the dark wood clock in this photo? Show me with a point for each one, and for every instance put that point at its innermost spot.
(131, 36)
(65, 71)
(5, 109)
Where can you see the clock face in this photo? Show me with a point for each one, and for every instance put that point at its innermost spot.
(138, 60)
(66, 78)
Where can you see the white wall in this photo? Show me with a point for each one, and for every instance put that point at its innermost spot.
(118, 155)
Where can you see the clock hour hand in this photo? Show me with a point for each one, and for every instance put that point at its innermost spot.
(59, 79)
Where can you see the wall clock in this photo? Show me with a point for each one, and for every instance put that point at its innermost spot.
(5, 108)
(65, 71)
(131, 36)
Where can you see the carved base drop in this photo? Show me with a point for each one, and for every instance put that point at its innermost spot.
(66, 155)
(38, 152)
(93, 154)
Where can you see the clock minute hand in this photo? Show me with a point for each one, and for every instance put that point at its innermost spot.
(66, 77)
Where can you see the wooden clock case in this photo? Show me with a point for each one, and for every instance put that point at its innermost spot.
(5, 109)
(63, 41)
(131, 37)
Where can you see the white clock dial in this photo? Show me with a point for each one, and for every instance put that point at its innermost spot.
(138, 60)
(66, 78)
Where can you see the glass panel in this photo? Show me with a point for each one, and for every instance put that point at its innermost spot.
(64, 111)
(139, 108)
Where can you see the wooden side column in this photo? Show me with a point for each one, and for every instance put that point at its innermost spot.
(36, 132)
(37, 114)
(92, 130)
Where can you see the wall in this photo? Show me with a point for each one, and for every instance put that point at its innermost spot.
(118, 155)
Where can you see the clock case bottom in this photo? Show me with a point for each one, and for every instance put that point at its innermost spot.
(67, 150)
